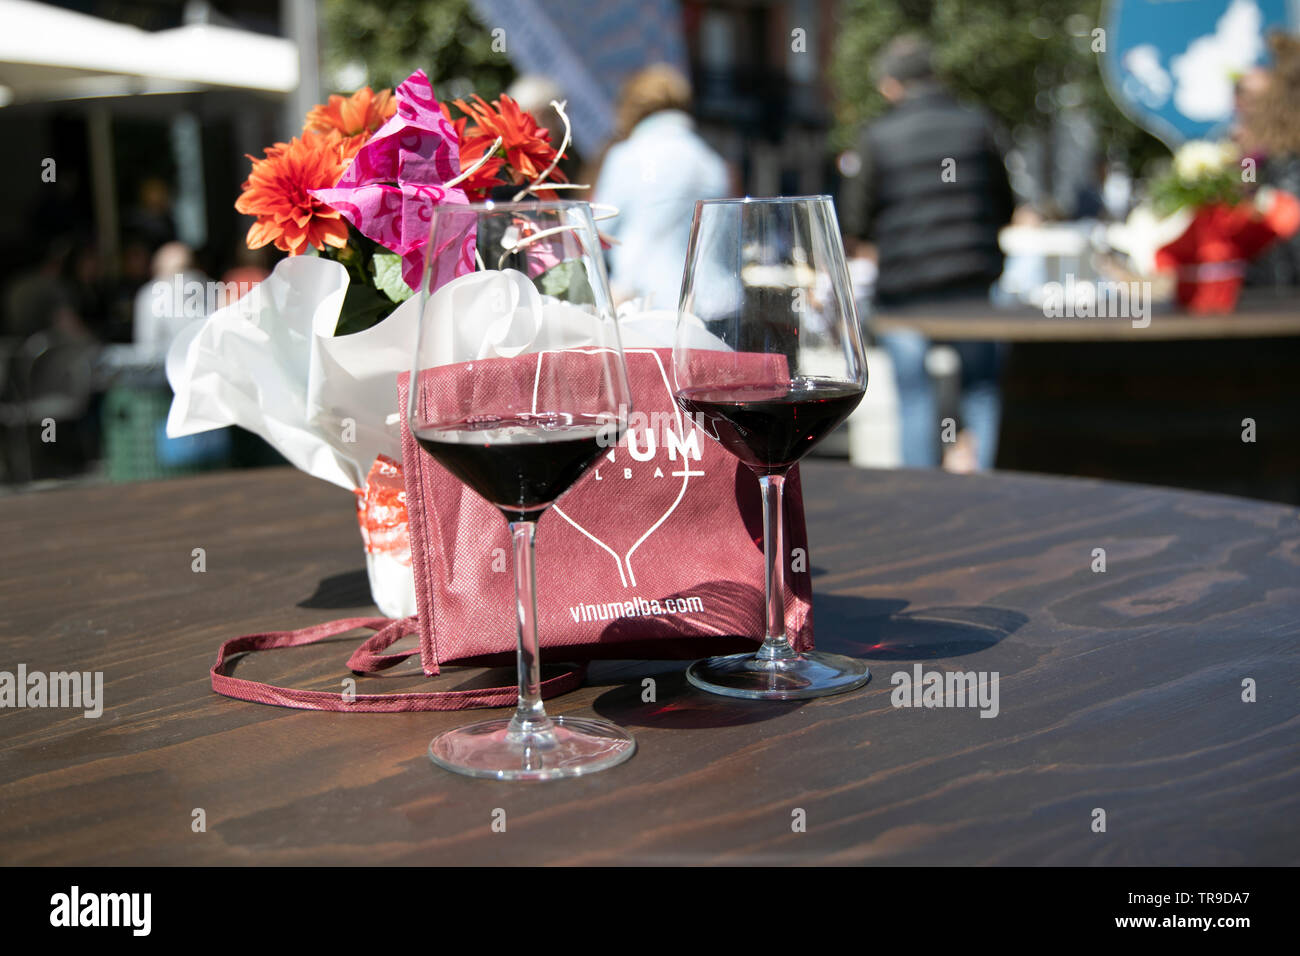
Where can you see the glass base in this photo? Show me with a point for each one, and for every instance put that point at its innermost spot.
(574, 746)
(813, 674)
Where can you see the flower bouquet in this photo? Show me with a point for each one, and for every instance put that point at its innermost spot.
(309, 358)
(1229, 226)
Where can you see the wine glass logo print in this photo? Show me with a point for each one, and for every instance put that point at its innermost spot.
(649, 472)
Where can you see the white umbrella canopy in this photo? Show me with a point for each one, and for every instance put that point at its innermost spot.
(49, 53)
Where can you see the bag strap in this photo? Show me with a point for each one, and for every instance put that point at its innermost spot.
(364, 660)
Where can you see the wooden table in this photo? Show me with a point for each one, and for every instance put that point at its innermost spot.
(1119, 690)
(1166, 404)
(1259, 315)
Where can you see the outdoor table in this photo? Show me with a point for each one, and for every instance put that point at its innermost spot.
(1160, 691)
(1259, 315)
(1164, 404)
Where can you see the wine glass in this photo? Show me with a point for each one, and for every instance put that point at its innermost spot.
(521, 387)
(783, 367)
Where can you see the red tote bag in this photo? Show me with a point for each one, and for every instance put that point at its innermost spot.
(656, 553)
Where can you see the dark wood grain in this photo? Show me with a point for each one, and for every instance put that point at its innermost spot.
(1119, 690)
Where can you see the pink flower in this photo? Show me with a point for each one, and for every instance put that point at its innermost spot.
(389, 190)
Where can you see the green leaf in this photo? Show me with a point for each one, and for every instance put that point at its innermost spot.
(388, 276)
(363, 308)
(567, 281)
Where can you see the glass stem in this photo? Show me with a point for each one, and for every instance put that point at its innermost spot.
(776, 646)
(530, 720)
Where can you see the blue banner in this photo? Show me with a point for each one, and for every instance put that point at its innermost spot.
(1171, 64)
(588, 47)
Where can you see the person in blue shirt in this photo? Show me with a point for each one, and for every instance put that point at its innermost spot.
(654, 174)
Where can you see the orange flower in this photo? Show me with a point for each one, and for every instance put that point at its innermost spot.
(481, 182)
(357, 115)
(527, 146)
(276, 193)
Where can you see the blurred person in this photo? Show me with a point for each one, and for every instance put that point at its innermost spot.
(1267, 129)
(92, 289)
(176, 297)
(151, 217)
(653, 173)
(1247, 93)
(1090, 199)
(932, 193)
(134, 272)
(43, 300)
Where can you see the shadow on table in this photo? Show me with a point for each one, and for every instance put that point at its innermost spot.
(879, 629)
(346, 590)
(872, 629)
(677, 704)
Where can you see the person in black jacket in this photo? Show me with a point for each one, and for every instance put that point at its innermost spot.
(931, 194)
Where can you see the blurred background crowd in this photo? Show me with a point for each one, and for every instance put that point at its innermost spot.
(128, 125)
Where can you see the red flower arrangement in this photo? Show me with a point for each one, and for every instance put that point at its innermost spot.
(358, 185)
(1229, 226)
(1211, 255)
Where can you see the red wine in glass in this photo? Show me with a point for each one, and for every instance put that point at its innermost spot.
(522, 440)
(770, 426)
(520, 464)
(767, 278)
